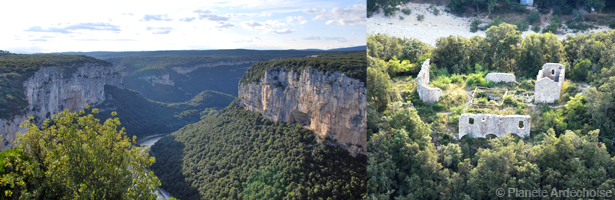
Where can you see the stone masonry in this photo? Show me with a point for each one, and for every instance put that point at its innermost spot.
(500, 77)
(549, 83)
(480, 125)
(426, 93)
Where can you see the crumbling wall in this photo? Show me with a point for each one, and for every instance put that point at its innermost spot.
(549, 83)
(480, 125)
(500, 77)
(426, 93)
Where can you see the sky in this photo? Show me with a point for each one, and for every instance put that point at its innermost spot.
(123, 25)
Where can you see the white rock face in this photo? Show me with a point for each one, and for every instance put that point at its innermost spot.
(185, 70)
(48, 92)
(329, 103)
(163, 80)
(426, 93)
(549, 83)
(480, 125)
(500, 77)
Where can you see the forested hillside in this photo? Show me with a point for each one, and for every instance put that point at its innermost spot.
(413, 152)
(16, 68)
(176, 76)
(238, 154)
(346, 62)
(142, 117)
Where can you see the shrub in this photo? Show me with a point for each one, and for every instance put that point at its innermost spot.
(406, 11)
(401, 17)
(390, 11)
(474, 25)
(536, 28)
(521, 26)
(555, 24)
(612, 25)
(420, 17)
(436, 11)
(532, 18)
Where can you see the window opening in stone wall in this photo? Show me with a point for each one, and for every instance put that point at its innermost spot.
(521, 124)
(552, 72)
(471, 121)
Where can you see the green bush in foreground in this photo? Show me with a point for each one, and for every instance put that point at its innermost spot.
(77, 158)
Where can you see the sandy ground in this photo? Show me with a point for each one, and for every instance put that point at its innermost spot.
(432, 27)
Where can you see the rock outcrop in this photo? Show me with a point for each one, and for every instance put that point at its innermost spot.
(549, 83)
(481, 125)
(426, 93)
(49, 91)
(185, 70)
(330, 103)
(500, 77)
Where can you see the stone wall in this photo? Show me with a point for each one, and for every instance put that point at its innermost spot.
(426, 93)
(500, 77)
(549, 83)
(49, 91)
(329, 103)
(480, 125)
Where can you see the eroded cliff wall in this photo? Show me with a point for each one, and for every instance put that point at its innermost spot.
(331, 104)
(50, 91)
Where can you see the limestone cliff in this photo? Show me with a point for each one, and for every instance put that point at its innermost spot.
(50, 91)
(330, 103)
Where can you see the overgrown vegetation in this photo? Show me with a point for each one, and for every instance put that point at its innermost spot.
(76, 157)
(241, 155)
(411, 150)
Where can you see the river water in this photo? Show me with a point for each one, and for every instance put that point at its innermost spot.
(162, 195)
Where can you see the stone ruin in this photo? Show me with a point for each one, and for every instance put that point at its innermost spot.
(426, 93)
(481, 125)
(549, 83)
(500, 77)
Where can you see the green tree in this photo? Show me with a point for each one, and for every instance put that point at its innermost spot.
(78, 158)
(503, 47)
(380, 89)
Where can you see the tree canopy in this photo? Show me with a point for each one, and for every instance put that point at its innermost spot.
(75, 157)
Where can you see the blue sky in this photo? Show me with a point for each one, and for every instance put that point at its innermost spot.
(122, 25)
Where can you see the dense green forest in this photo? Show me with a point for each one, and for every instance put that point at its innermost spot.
(351, 63)
(238, 154)
(412, 149)
(142, 117)
(76, 157)
(17, 68)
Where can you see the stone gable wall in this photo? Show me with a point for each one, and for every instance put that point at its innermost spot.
(549, 83)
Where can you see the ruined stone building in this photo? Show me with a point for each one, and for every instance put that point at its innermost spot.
(426, 93)
(481, 125)
(500, 77)
(549, 83)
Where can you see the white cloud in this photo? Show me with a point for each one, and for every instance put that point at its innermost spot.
(269, 26)
(261, 14)
(156, 18)
(338, 39)
(352, 15)
(159, 30)
(311, 37)
(300, 19)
